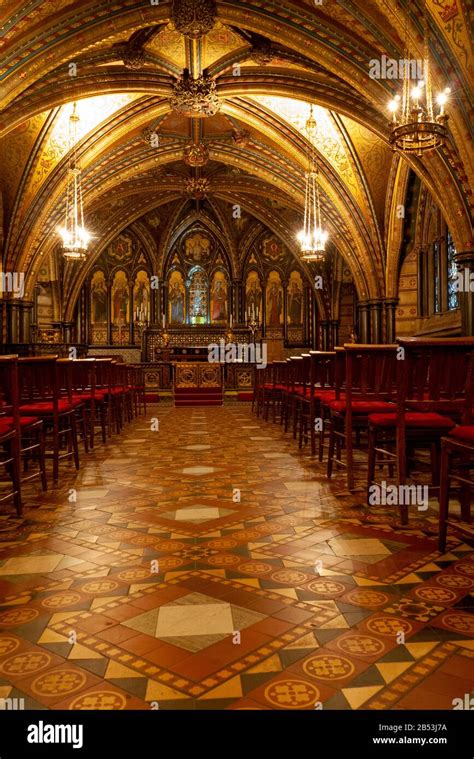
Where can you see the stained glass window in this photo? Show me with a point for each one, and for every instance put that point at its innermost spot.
(453, 298)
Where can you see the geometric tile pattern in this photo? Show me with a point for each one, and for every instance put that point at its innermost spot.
(159, 585)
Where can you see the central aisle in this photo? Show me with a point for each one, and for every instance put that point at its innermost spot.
(206, 564)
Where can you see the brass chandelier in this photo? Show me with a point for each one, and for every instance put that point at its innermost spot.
(312, 237)
(75, 237)
(418, 128)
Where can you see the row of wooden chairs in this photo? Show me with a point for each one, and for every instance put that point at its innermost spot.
(417, 394)
(50, 405)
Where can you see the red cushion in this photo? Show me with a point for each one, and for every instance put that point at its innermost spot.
(361, 407)
(464, 432)
(45, 407)
(325, 394)
(117, 390)
(5, 428)
(302, 390)
(98, 396)
(24, 420)
(413, 419)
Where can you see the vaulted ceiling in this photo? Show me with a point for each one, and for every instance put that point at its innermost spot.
(269, 61)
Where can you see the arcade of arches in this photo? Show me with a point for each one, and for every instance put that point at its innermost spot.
(193, 196)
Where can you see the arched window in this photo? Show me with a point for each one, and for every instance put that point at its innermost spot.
(198, 296)
(453, 298)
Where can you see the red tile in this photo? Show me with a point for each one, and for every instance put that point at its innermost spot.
(118, 634)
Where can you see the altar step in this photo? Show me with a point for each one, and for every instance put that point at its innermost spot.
(198, 396)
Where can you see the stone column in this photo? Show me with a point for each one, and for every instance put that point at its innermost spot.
(109, 313)
(465, 260)
(334, 333)
(264, 310)
(325, 334)
(375, 314)
(67, 329)
(364, 323)
(285, 312)
(131, 314)
(314, 321)
(390, 311)
(26, 312)
(14, 321)
(235, 306)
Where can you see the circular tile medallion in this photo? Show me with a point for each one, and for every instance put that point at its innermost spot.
(292, 694)
(16, 617)
(223, 560)
(436, 595)
(99, 701)
(461, 623)
(61, 599)
(100, 586)
(360, 645)
(328, 667)
(389, 626)
(361, 597)
(222, 543)
(59, 682)
(289, 577)
(8, 645)
(327, 587)
(255, 568)
(134, 574)
(454, 581)
(25, 663)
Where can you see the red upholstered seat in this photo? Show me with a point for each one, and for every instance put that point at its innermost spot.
(46, 407)
(24, 420)
(5, 428)
(413, 419)
(302, 391)
(464, 433)
(362, 407)
(326, 396)
(98, 396)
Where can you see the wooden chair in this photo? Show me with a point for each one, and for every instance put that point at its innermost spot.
(457, 460)
(101, 369)
(29, 428)
(370, 386)
(272, 388)
(138, 388)
(431, 376)
(92, 399)
(321, 386)
(10, 430)
(258, 379)
(70, 383)
(295, 386)
(46, 393)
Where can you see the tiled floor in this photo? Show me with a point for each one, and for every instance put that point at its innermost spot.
(211, 565)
